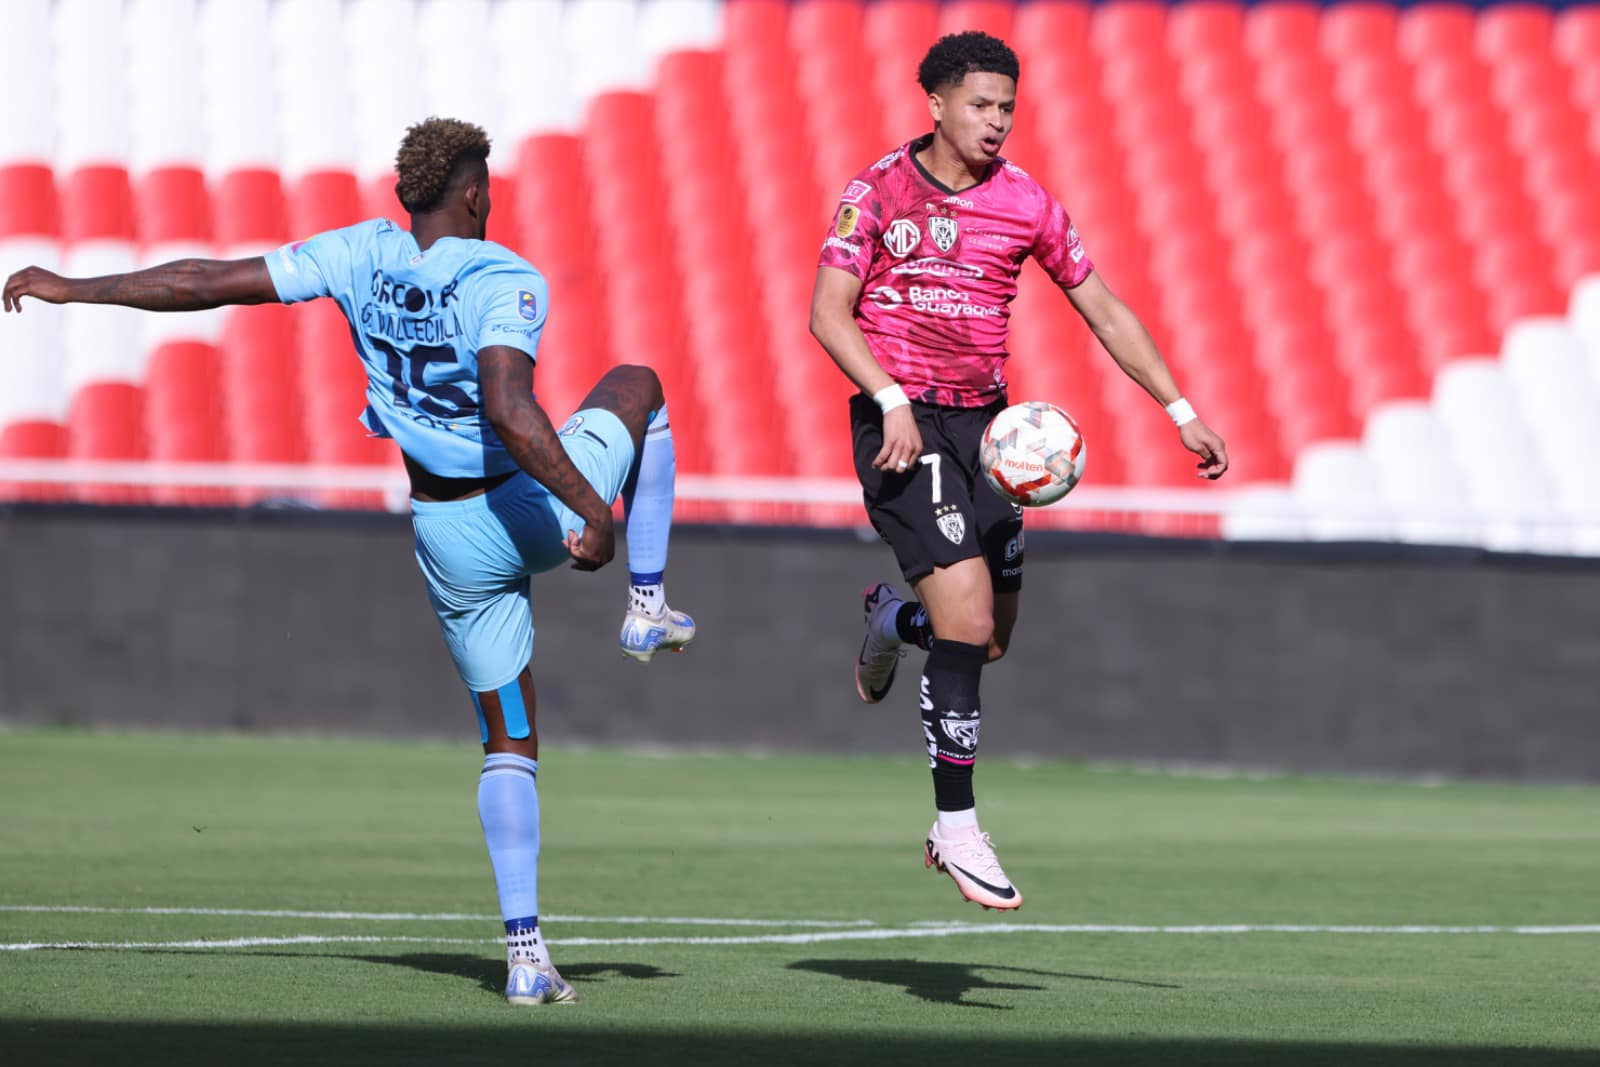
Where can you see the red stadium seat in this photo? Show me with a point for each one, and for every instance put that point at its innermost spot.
(894, 26)
(1122, 27)
(1051, 38)
(378, 201)
(32, 439)
(261, 386)
(816, 27)
(323, 200)
(183, 416)
(1576, 35)
(1530, 81)
(1451, 79)
(172, 204)
(97, 204)
(1206, 27)
(28, 201)
(249, 209)
(1363, 78)
(757, 27)
(1436, 29)
(1358, 27)
(990, 16)
(1282, 28)
(106, 422)
(1514, 30)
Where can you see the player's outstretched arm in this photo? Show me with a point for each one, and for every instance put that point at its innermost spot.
(505, 375)
(183, 285)
(1131, 345)
(833, 324)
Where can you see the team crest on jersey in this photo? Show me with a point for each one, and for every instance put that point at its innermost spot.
(527, 306)
(952, 524)
(902, 237)
(848, 215)
(942, 228)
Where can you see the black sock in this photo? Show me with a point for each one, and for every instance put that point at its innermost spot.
(950, 719)
(911, 623)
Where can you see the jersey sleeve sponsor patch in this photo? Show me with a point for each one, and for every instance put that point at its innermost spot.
(855, 191)
(849, 214)
(528, 306)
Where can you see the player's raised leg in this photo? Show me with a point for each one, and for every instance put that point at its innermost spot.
(634, 395)
(960, 601)
(508, 808)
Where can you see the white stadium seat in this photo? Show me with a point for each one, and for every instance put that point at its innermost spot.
(1494, 449)
(1338, 489)
(1548, 367)
(1419, 479)
(1583, 315)
(310, 73)
(606, 36)
(165, 81)
(96, 336)
(240, 105)
(28, 134)
(34, 388)
(1263, 513)
(91, 84)
(457, 78)
(533, 75)
(380, 38)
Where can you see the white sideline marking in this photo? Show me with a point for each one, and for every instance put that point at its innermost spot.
(875, 934)
(400, 916)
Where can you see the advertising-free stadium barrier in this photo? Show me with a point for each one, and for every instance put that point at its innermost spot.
(1368, 658)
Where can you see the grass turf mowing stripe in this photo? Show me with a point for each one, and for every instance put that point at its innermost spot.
(393, 916)
(877, 934)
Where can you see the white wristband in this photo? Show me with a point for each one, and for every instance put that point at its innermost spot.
(1181, 411)
(891, 397)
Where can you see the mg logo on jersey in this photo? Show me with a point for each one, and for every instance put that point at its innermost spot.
(942, 228)
(902, 237)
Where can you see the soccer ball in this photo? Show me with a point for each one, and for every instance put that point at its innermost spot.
(1032, 454)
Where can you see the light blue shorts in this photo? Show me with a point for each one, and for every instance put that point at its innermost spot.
(476, 554)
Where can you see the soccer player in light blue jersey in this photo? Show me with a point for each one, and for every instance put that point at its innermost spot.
(447, 325)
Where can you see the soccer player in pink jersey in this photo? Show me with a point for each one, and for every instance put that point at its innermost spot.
(912, 297)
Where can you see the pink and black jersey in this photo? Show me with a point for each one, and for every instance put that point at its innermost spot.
(939, 269)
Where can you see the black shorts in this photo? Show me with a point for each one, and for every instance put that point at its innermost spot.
(941, 511)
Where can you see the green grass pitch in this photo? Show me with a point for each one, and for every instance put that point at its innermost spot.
(858, 954)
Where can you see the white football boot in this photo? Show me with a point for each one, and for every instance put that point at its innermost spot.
(531, 982)
(966, 855)
(643, 634)
(878, 658)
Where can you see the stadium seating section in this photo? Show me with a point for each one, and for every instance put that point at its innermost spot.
(1360, 231)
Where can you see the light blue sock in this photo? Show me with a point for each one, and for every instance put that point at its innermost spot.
(508, 807)
(647, 503)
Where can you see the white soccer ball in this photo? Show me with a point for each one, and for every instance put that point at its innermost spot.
(1032, 454)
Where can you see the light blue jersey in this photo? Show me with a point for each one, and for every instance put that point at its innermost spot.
(418, 320)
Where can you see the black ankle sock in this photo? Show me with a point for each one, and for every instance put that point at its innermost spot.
(911, 623)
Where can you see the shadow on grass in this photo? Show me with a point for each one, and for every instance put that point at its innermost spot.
(947, 983)
(490, 973)
(546, 1038)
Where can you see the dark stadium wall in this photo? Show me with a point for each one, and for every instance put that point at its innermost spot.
(1380, 661)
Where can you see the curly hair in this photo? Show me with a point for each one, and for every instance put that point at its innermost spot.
(429, 156)
(956, 55)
